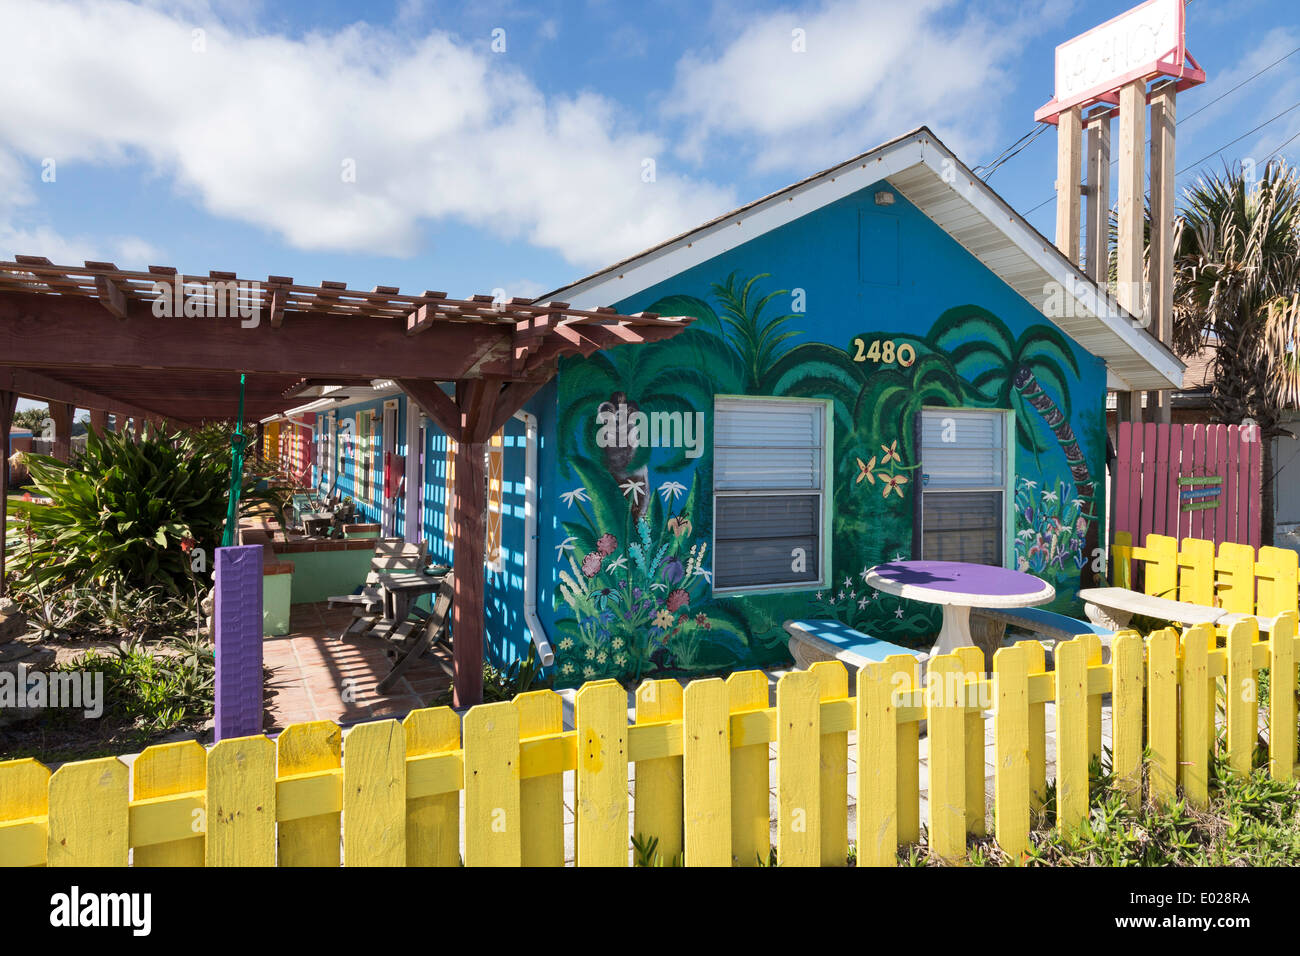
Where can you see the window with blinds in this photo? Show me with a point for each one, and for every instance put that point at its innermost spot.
(769, 493)
(963, 477)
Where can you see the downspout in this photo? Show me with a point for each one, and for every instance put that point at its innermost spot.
(545, 653)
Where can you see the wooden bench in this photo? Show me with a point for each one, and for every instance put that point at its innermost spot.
(813, 641)
(988, 625)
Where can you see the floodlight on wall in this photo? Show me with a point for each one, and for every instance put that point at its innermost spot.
(884, 198)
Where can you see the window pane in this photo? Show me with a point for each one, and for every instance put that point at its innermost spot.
(961, 448)
(962, 526)
(767, 444)
(754, 537)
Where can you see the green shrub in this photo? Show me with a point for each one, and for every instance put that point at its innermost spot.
(123, 510)
(159, 689)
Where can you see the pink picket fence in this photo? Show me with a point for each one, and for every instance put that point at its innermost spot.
(1198, 481)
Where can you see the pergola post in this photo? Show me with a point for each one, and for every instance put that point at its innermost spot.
(61, 413)
(99, 421)
(469, 547)
(8, 403)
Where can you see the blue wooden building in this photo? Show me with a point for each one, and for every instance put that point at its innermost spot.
(886, 361)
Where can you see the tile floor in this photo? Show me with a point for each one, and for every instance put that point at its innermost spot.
(316, 676)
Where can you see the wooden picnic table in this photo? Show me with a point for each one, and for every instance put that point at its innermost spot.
(1115, 607)
(400, 590)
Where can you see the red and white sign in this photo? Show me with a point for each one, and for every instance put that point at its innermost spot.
(1146, 42)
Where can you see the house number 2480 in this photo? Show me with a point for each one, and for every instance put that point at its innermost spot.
(884, 352)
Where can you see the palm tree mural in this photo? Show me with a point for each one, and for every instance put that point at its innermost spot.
(757, 339)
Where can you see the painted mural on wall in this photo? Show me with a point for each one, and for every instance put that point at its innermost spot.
(635, 593)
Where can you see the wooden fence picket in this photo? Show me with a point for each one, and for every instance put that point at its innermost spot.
(751, 835)
(903, 673)
(1197, 703)
(541, 799)
(1036, 663)
(1126, 713)
(493, 822)
(972, 662)
(706, 765)
(1071, 733)
(433, 821)
(601, 814)
(24, 799)
(946, 731)
(161, 771)
(89, 814)
(877, 759)
(833, 684)
(798, 796)
(1235, 578)
(1011, 802)
(658, 785)
(241, 803)
(1092, 643)
(1278, 570)
(374, 795)
(1282, 697)
(309, 748)
(1241, 695)
(1162, 713)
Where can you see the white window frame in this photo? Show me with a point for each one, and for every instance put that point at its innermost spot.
(1006, 489)
(824, 495)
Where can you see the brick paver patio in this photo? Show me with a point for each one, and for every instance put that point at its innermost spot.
(315, 676)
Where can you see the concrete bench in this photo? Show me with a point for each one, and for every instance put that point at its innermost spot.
(989, 626)
(813, 641)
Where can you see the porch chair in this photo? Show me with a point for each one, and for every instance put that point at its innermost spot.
(391, 554)
(411, 638)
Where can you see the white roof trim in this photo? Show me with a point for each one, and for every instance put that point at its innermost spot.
(966, 208)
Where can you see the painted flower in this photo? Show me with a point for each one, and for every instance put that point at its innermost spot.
(187, 544)
(893, 483)
(664, 618)
(865, 471)
(673, 571)
(677, 600)
(702, 620)
(606, 544)
(672, 489)
(589, 672)
(862, 602)
(890, 453)
(567, 668)
(577, 494)
(679, 525)
(565, 545)
(617, 563)
(566, 644)
(591, 564)
(617, 643)
(633, 489)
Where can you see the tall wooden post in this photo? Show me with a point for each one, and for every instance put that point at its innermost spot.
(8, 403)
(470, 546)
(99, 421)
(1097, 242)
(1131, 214)
(61, 413)
(1069, 172)
(1161, 257)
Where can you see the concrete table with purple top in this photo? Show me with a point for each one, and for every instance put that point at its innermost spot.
(958, 587)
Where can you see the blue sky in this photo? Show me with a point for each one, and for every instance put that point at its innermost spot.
(522, 168)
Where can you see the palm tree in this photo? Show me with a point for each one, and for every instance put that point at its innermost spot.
(1236, 263)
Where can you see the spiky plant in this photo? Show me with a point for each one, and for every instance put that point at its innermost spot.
(1236, 279)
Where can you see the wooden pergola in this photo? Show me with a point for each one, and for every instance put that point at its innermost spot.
(109, 340)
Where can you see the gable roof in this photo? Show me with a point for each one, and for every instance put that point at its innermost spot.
(934, 180)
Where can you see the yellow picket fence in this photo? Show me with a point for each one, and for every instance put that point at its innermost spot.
(389, 793)
(1236, 578)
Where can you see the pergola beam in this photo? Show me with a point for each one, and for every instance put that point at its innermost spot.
(32, 384)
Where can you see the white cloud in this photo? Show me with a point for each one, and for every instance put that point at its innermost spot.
(259, 127)
(870, 71)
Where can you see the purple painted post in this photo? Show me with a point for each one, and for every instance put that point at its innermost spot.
(237, 617)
